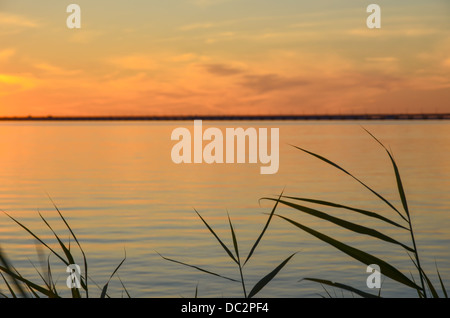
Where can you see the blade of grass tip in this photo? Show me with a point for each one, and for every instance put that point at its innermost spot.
(401, 192)
(79, 246)
(113, 273)
(442, 283)
(341, 286)
(365, 258)
(66, 251)
(266, 279)
(218, 239)
(37, 238)
(344, 224)
(70, 258)
(264, 230)
(198, 268)
(340, 206)
(355, 178)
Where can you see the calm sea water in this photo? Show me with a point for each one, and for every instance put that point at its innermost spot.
(116, 184)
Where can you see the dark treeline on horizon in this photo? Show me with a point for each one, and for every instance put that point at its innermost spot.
(432, 116)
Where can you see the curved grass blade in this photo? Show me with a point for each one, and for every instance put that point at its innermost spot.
(66, 251)
(236, 248)
(442, 283)
(326, 291)
(427, 280)
(419, 293)
(5, 262)
(365, 258)
(430, 286)
(218, 239)
(342, 286)
(345, 224)
(114, 272)
(266, 279)
(401, 192)
(235, 243)
(50, 276)
(340, 206)
(198, 268)
(123, 286)
(37, 238)
(79, 246)
(263, 231)
(41, 276)
(28, 283)
(355, 178)
(11, 291)
(70, 259)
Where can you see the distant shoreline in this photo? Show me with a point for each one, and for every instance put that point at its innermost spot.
(235, 117)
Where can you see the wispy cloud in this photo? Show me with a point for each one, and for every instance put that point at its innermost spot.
(134, 62)
(196, 26)
(55, 70)
(393, 32)
(8, 19)
(222, 69)
(270, 82)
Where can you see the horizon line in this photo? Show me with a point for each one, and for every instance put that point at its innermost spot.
(386, 116)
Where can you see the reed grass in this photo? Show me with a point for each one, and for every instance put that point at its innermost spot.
(19, 286)
(236, 257)
(424, 287)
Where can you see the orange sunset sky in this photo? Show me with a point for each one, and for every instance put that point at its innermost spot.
(223, 57)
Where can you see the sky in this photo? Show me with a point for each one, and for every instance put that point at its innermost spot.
(223, 57)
